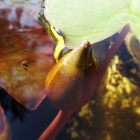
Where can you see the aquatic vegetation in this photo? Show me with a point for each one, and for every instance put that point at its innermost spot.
(93, 20)
(2, 120)
(5, 131)
(115, 109)
(7, 134)
(133, 47)
(90, 80)
(28, 72)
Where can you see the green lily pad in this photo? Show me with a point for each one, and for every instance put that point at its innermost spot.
(92, 20)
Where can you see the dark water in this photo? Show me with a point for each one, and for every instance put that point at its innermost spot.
(26, 124)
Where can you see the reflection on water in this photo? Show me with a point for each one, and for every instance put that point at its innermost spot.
(26, 5)
(24, 123)
(9, 104)
(114, 111)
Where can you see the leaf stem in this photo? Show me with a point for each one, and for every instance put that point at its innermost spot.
(113, 50)
(56, 125)
(62, 117)
(32, 12)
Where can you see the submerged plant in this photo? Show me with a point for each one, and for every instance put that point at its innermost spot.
(71, 82)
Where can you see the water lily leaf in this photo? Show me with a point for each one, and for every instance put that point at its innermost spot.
(7, 134)
(25, 56)
(2, 120)
(133, 47)
(92, 20)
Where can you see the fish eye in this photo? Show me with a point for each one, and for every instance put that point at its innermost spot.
(58, 31)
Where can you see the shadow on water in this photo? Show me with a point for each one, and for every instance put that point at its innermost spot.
(17, 110)
(26, 124)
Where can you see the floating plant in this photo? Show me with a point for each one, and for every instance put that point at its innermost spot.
(27, 72)
(2, 120)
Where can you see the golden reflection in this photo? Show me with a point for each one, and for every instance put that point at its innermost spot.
(137, 110)
(86, 112)
(114, 111)
(118, 85)
(108, 137)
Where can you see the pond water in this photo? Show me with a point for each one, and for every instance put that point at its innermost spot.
(112, 114)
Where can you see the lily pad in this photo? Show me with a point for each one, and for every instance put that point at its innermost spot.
(25, 56)
(2, 121)
(92, 20)
(7, 134)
